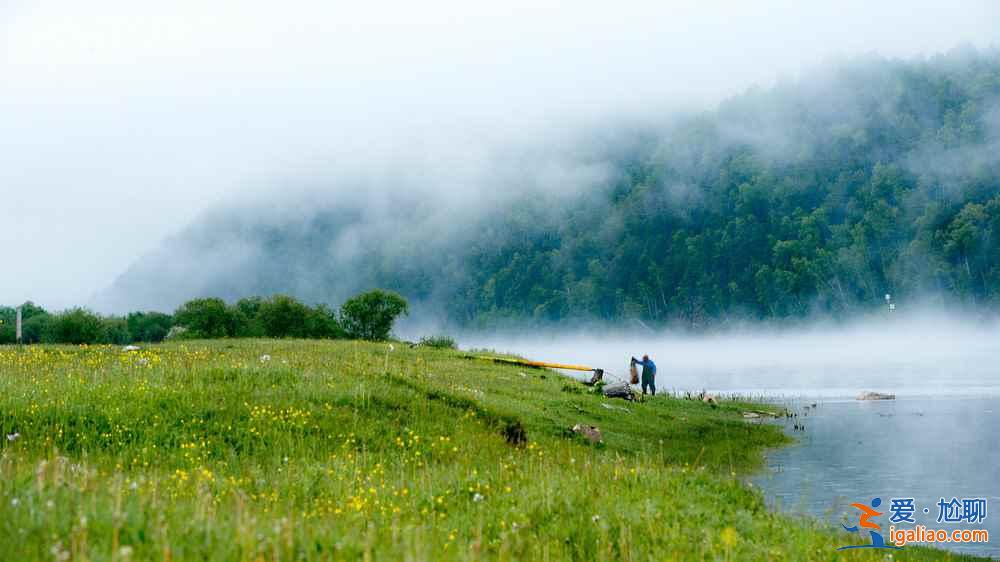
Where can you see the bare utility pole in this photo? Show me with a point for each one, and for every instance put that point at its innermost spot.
(17, 325)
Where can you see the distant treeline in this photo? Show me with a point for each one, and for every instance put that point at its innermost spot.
(367, 316)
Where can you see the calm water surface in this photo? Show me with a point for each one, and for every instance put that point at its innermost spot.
(921, 448)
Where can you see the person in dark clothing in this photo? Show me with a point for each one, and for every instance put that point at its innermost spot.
(648, 374)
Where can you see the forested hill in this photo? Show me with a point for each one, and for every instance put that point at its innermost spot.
(815, 196)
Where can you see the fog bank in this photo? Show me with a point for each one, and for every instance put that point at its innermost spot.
(919, 354)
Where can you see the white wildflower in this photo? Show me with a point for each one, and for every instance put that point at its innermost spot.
(478, 497)
(264, 358)
(15, 502)
(595, 518)
(58, 552)
(13, 437)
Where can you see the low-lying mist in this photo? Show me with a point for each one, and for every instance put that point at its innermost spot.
(928, 353)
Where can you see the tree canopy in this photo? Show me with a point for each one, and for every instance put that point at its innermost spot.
(371, 315)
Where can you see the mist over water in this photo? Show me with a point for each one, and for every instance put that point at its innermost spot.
(908, 355)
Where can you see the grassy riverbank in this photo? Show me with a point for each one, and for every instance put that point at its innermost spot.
(305, 450)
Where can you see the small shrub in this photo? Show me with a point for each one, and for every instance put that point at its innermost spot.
(439, 342)
(513, 431)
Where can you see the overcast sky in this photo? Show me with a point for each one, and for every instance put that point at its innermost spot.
(120, 121)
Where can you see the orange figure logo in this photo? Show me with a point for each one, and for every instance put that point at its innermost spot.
(866, 514)
(865, 522)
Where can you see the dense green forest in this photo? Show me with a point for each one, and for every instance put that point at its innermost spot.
(816, 196)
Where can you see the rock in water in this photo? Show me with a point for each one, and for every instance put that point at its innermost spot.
(869, 395)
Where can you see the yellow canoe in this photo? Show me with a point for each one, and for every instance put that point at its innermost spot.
(537, 364)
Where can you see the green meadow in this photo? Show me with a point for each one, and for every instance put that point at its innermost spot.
(336, 450)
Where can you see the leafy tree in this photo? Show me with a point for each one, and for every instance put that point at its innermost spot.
(207, 318)
(8, 321)
(116, 331)
(30, 309)
(283, 317)
(321, 323)
(248, 317)
(149, 326)
(371, 315)
(7, 328)
(75, 326)
(34, 329)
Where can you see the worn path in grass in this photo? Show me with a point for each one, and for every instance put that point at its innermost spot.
(299, 450)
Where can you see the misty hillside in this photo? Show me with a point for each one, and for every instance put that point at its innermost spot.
(815, 196)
